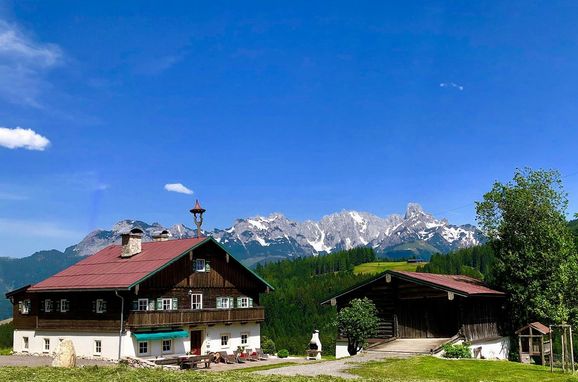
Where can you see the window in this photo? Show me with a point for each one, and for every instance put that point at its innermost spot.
(196, 301)
(24, 306)
(244, 338)
(143, 304)
(25, 344)
(224, 340)
(64, 305)
(167, 304)
(46, 345)
(224, 302)
(97, 347)
(244, 302)
(167, 346)
(200, 265)
(143, 347)
(100, 306)
(48, 305)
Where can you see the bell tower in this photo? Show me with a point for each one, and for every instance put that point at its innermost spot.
(198, 212)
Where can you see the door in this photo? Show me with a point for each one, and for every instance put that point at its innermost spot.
(196, 342)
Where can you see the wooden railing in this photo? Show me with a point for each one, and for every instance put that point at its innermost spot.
(138, 319)
(77, 325)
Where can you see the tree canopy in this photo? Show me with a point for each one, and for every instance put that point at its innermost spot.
(535, 258)
(357, 322)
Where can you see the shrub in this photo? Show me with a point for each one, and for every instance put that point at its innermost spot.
(267, 345)
(457, 351)
(283, 353)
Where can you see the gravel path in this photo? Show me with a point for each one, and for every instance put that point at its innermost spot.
(335, 368)
(32, 361)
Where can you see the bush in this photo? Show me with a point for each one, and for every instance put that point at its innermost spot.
(6, 335)
(283, 353)
(267, 345)
(457, 351)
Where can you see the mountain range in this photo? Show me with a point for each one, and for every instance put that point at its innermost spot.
(262, 239)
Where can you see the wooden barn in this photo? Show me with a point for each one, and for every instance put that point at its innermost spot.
(444, 308)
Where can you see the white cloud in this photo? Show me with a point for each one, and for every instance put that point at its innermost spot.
(23, 61)
(178, 187)
(451, 85)
(22, 138)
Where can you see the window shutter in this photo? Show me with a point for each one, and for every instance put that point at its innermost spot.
(151, 304)
(250, 302)
(159, 303)
(175, 303)
(103, 306)
(219, 303)
(135, 305)
(93, 306)
(239, 302)
(207, 266)
(231, 302)
(42, 302)
(57, 306)
(20, 306)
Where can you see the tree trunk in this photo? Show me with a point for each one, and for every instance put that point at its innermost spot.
(352, 347)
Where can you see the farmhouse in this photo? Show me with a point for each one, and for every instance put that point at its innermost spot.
(449, 308)
(143, 299)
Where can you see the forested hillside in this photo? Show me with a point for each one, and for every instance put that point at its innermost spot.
(294, 310)
(475, 261)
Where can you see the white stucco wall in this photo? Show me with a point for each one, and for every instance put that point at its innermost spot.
(84, 342)
(341, 349)
(498, 348)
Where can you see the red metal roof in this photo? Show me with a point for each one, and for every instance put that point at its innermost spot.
(107, 270)
(459, 283)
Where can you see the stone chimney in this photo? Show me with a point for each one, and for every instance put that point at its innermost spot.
(131, 242)
(163, 235)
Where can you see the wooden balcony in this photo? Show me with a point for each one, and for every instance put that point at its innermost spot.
(137, 319)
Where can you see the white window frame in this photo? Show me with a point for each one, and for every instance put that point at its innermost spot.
(199, 267)
(48, 305)
(100, 305)
(25, 343)
(64, 305)
(246, 334)
(97, 347)
(24, 306)
(245, 302)
(228, 341)
(197, 305)
(168, 301)
(148, 347)
(46, 346)
(170, 342)
(146, 300)
(224, 305)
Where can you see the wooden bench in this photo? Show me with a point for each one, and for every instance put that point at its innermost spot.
(193, 361)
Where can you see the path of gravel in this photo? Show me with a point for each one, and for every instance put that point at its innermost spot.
(335, 368)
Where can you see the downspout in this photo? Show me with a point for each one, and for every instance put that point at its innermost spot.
(121, 323)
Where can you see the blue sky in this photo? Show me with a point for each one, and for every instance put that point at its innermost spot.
(305, 108)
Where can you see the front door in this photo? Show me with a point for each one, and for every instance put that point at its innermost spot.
(196, 342)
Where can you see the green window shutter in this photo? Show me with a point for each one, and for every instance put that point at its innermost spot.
(94, 306)
(103, 306)
(207, 266)
(20, 306)
(135, 305)
(42, 305)
(231, 302)
(57, 306)
(175, 303)
(159, 303)
(239, 302)
(219, 303)
(250, 302)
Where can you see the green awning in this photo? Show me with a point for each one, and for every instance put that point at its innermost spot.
(150, 336)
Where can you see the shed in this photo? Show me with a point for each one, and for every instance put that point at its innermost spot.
(534, 343)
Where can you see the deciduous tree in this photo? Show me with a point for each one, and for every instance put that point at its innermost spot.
(357, 322)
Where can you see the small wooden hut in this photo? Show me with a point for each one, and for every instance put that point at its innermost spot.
(534, 343)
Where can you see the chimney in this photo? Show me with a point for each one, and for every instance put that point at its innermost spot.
(163, 235)
(131, 242)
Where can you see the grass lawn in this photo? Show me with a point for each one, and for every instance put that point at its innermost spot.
(431, 369)
(381, 266)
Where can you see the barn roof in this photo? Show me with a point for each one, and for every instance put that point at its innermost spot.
(460, 285)
(107, 270)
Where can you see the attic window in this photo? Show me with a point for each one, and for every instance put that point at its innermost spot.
(24, 306)
(200, 265)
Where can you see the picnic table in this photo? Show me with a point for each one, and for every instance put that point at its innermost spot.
(192, 361)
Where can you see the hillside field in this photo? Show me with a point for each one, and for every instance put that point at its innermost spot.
(382, 266)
